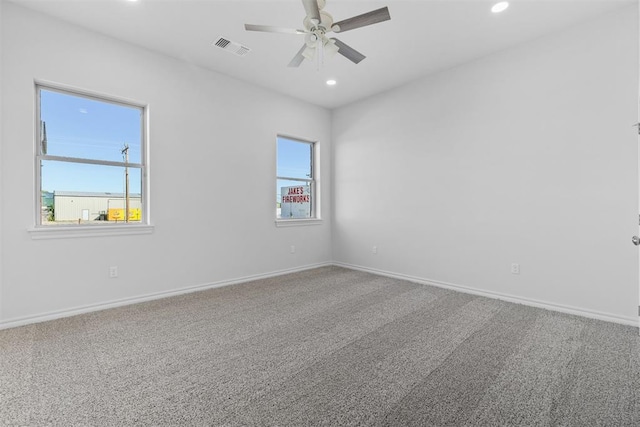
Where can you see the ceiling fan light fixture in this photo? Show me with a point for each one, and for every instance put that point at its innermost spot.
(330, 49)
(500, 7)
(311, 40)
(309, 53)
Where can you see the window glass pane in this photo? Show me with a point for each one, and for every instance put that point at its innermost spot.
(293, 199)
(86, 128)
(294, 159)
(73, 192)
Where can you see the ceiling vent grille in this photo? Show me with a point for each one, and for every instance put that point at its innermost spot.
(233, 47)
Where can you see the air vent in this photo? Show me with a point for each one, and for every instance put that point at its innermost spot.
(233, 47)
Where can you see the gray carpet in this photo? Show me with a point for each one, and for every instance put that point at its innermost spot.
(328, 346)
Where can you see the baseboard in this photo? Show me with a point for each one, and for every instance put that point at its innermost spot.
(592, 314)
(22, 321)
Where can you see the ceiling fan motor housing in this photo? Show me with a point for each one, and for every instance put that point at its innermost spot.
(325, 24)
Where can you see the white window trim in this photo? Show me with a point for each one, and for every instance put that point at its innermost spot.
(78, 231)
(316, 219)
(298, 222)
(39, 231)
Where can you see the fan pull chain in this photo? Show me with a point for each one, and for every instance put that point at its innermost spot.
(320, 53)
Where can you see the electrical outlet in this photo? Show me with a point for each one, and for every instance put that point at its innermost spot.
(374, 250)
(293, 249)
(515, 268)
(113, 272)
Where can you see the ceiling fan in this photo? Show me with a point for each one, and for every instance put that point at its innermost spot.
(317, 23)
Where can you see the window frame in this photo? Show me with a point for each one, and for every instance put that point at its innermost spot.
(42, 231)
(314, 217)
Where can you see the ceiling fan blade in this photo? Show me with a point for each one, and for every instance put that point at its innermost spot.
(311, 7)
(369, 18)
(271, 29)
(348, 52)
(297, 60)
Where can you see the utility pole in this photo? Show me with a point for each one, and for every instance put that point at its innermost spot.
(125, 153)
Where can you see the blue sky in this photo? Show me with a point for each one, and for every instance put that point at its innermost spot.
(81, 127)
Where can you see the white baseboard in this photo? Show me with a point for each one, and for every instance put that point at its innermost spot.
(592, 314)
(22, 321)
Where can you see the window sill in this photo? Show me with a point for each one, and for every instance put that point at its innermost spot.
(297, 222)
(72, 232)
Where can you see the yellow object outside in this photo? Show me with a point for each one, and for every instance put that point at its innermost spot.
(135, 214)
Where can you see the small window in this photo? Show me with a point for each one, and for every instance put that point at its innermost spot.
(295, 182)
(90, 159)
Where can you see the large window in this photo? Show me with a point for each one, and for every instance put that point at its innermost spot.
(295, 182)
(90, 160)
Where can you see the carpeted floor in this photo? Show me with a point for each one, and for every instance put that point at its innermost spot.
(328, 346)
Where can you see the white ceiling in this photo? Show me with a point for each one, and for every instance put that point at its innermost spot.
(423, 36)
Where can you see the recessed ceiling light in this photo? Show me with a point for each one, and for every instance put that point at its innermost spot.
(500, 7)
(331, 82)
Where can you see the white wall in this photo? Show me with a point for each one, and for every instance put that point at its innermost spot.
(526, 156)
(1, 148)
(212, 147)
